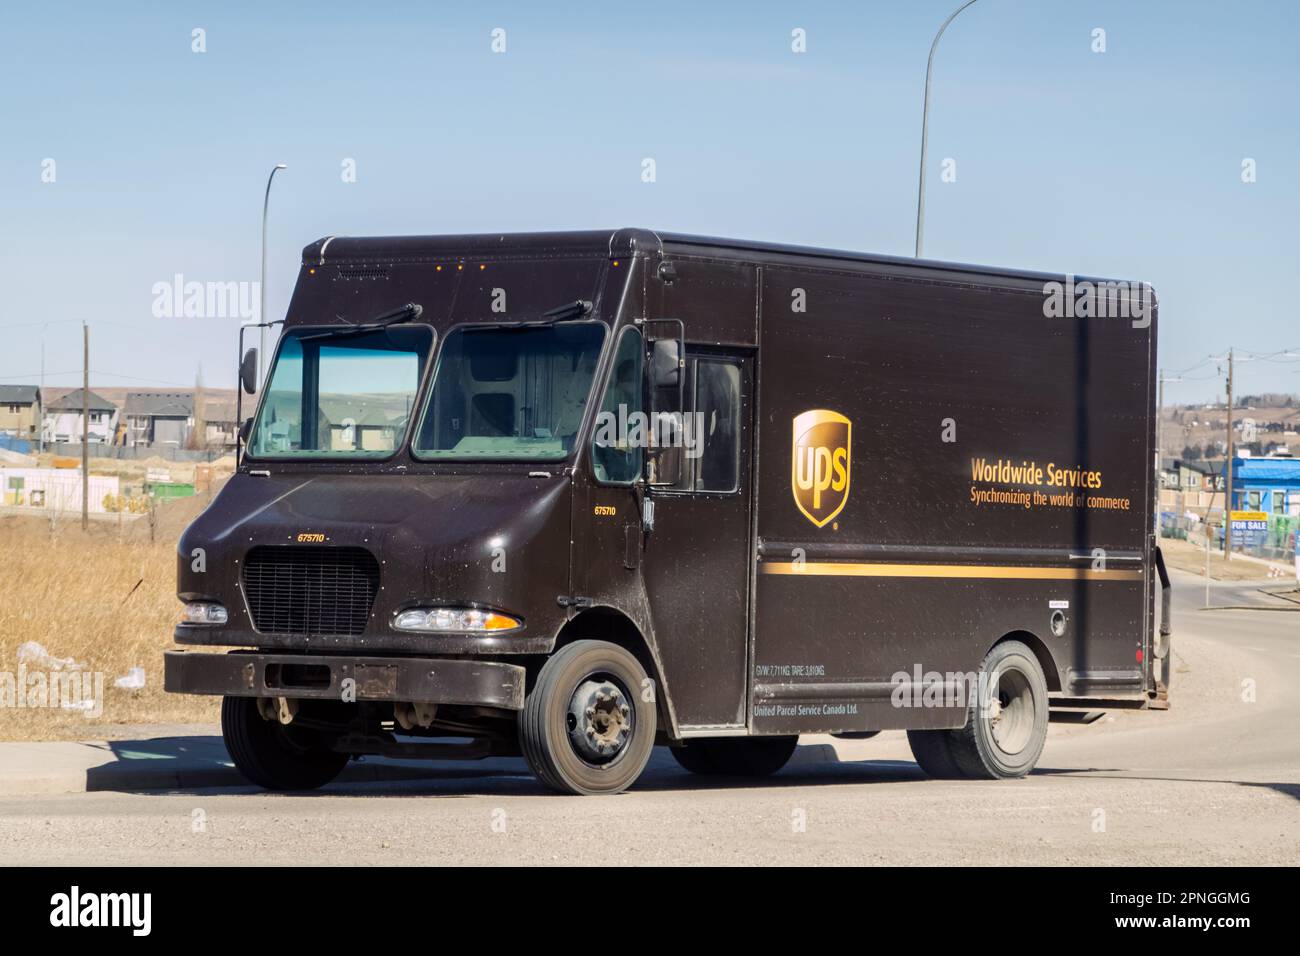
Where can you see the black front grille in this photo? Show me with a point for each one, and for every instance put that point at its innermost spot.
(325, 591)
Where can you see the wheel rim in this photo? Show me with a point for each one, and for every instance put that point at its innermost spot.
(1011, 711)
(600, 720)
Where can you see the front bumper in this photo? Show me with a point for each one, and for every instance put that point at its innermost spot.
(523, 641)
(408, 679)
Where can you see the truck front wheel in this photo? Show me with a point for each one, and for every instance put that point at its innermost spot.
(588, 726)
(275, 756)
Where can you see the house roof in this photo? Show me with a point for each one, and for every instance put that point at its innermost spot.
(1267, 469)
(72, 403)
(221, 411)
(19, 394)
(159, 404)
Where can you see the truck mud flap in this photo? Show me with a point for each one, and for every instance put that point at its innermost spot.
(1162, 665)
(413, 679)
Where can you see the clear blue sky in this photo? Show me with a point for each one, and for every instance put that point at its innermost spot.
(1125, 163)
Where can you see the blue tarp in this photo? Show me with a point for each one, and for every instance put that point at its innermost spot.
(10, 443)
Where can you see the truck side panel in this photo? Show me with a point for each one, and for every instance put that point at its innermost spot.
(995, 474)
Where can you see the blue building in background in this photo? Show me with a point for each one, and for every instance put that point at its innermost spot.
(1270, 485)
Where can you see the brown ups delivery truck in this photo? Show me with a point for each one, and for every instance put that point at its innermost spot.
(572, 495)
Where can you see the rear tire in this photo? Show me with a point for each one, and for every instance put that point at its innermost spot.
(1004, 740)
(585, 727)
(272, 755)
(930, 748)
(694, 757)
(736, 756)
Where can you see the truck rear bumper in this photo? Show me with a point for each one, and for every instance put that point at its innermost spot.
(426, 679)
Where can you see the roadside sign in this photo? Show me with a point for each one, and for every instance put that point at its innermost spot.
(1248, 528)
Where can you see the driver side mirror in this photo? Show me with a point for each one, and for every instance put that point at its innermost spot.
(248, 372)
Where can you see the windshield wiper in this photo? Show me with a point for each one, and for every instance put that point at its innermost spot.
(411, 311)
(569, 312)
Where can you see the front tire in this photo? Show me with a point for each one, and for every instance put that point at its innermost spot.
(586, 727)
(275, 756)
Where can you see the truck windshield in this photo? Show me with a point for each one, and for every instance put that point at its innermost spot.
(510, 393)
(340, 396)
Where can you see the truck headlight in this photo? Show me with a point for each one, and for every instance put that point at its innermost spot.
(203, 612)
(453, 620)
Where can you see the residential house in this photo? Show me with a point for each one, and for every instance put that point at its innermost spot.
(158, 419)
(1200, 475)
(20, 411)
(220, 427)
(62, 419)
(341, 425)
(360, 426)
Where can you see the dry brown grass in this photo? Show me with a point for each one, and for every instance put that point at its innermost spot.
(105, 597)
(1190, 556)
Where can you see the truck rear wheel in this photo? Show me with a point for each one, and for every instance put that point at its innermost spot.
(1005, 738)
(736, 756)
(585, 727)
(933, 756)
(275, 756)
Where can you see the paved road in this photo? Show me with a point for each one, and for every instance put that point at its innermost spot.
(1214, 781)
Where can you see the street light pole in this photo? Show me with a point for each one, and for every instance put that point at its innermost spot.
(925, 129)
(261, 314)
(1227, 494)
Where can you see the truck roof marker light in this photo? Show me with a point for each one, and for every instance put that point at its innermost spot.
(615, 263)
(311, 272)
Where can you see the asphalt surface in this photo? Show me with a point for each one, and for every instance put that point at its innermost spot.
(1215, 780)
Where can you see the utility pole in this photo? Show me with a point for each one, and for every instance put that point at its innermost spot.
(1227, 494)
(85, 426)
(40, 421)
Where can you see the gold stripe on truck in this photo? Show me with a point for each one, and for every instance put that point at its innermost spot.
(881, 570)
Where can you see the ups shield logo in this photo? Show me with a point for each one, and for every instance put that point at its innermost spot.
(819, 466)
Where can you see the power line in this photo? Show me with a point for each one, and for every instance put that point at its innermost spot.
(77, 371)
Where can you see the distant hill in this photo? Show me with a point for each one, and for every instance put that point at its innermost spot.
(1274, 419)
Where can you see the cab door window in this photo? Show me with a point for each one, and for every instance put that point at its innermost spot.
(711, 458)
